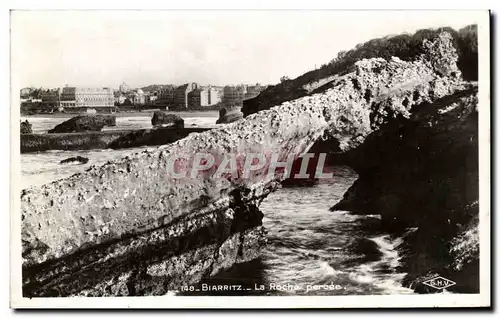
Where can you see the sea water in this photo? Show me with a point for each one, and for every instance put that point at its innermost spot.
(309, 247)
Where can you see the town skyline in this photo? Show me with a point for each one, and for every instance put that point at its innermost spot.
(117, 87)
(141, 48)
(187, 96)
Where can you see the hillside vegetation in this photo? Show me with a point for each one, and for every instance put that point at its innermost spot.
(405, 46)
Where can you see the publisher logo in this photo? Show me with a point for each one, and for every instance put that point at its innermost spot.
(439, 282)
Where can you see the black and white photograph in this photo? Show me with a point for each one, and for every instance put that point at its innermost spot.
(258, 157)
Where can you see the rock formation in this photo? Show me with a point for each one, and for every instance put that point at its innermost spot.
(78, 159)
(164, 119)
(84, 123)
(423, 172)
(407, 47)
(114, 139)
(230, 115)
(128, 228)
(26, 127)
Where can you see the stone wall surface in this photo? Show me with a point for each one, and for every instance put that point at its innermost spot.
(128, 227)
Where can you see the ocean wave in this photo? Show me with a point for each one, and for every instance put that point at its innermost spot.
(384, 272)
(348, 216)
(328, 269)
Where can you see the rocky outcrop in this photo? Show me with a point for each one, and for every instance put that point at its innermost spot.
(418, 168)
(423, 173)
(128, 228)
(84, 123)
(109, 119)
(229, 115)
(114, 139)
(151, 261)
(437, 140)
(26, 127)
(77, 159)
(164, 234)
(163, 119)
(273, 95)
(408, 47)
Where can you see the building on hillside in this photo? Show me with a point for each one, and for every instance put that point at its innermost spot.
(87, 97)
(51, 98)
(151, 98)
(234, 95)
(120, 98)
(203, 97)
(253, 91)
(31, 100)
(25, 92)
(197, 98)
(165, 96)
(181, 95)
(124, 88)
(147, 97)
(138, 97)
(129, 97)
(32, 105)
(214, 96)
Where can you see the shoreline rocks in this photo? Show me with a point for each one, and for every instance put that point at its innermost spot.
(164, 119)
(114, 139)
(26, 127)
(229, 115)
(78, 159)
(423, 173)
(417, 166)
(84, 123)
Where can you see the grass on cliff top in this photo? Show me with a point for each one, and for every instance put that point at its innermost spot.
(405, 46)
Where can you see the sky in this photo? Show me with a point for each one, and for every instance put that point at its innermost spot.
(106, 48)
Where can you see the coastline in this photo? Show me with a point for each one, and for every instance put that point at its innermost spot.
(143, 113)
(144, 207)
(114, 139)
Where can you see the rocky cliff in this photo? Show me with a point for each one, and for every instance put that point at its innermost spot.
(127, 228)
(423, 173)
(418, 167)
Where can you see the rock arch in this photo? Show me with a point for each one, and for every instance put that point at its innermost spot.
(126, 229)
